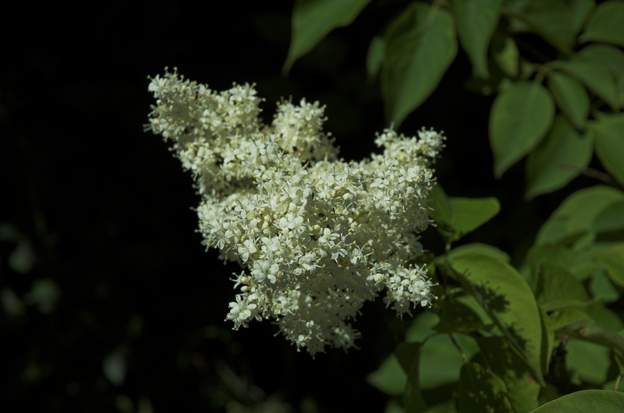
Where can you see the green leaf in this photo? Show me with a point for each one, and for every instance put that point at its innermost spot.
(441, 212)
(603, 401)
(558, 289)
(440, 361)
(458, 216)
(604, 317)
(612, 59)
(600, 68)
(609, 224)
(571, 97)
(422, 327)
(506, 55)
(520, 117)
(389, 377)
(375, 56)
(420, 46)
(471, 213)
(456, 316)
(609, 137)
(602, 289)
(506, 296)
(409, 355)
(580, 263)
(557, 21)
(605, 24)
(560, 158)
(588, 362)
(476, 21)
(501, 360)
(612, 258)
(312, 20)
(478, 248)
(480, 390)
(564, 317)
(576, 214)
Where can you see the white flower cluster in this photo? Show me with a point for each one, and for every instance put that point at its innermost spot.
(317, 236)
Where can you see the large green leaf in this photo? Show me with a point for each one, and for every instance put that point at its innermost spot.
(588, 362)
(571, 97)
(585, 401)
(520, 117)
(476, 21)
(576, 214)
(557, 21)
(560, 158)
(501, 360)
(420, 45)
(506, 296)
(601, 69)
(609, 136)
(312, 20)
(605, 24)
(480, 390)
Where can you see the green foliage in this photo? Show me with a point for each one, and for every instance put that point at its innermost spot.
(605, 24)
(603, 401)
(560, 158)
(520, 117)
(420, 46)
(609, 136)
(480, 390)
(476, 21)
(557, 21)
(576, 214)
(456, 216)
(588, 362)
(507, 298)
(571, 97)
(517, 334)
(312, 20)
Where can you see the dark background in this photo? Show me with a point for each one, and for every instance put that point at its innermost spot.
(102, 270)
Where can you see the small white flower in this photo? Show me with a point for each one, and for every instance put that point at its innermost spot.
(246, 249)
